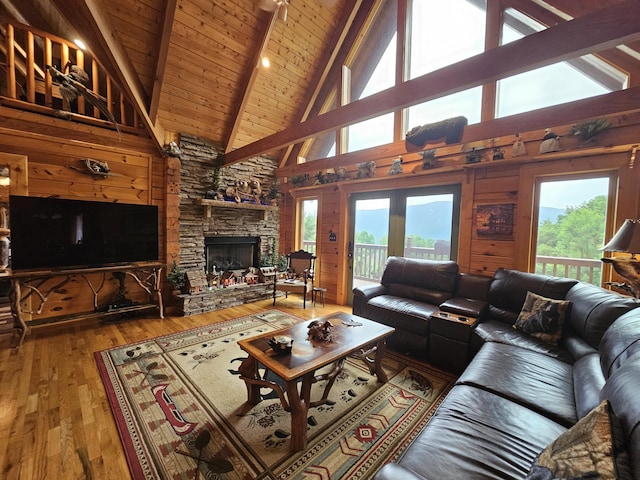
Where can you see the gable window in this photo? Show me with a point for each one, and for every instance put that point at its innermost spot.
(434, 44)
(563, 82)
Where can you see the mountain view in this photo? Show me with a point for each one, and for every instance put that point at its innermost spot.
(426, 221)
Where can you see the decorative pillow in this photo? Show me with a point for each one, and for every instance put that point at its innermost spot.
(591, 449)
(542, 317)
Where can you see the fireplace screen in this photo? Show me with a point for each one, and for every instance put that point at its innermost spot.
(231, 253)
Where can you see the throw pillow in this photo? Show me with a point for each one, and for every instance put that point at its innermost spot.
(591, 449)
(542, 317)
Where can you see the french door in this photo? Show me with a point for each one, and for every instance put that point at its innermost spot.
(416, 223)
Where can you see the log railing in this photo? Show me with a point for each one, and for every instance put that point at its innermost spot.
(29, 85)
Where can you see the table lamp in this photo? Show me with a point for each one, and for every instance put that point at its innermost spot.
(626, 239)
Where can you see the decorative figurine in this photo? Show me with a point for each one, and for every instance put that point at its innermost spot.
(396, 166)
(429, 159)
(449, 131)
(366, 169)
(518, 148)
(550, 142)
(321, 331)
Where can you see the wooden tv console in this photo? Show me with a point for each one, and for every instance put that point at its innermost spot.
(37, 284)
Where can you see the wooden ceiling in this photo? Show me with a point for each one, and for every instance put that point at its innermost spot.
(193, 66)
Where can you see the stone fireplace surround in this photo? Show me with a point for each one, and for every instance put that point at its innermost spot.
(196, 177)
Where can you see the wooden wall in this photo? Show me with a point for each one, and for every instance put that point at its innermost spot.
(55, 149)
(508, 181)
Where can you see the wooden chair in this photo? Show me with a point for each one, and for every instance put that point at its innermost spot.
(299, 276)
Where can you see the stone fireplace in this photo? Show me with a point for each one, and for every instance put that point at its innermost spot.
(222, 235)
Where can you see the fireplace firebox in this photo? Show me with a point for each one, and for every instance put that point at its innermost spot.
(231, 253)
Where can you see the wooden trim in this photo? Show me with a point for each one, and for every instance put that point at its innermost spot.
(605, 28)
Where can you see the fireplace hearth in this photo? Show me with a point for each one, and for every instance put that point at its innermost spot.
(231, 253)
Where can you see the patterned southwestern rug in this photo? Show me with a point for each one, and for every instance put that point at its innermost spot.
(181, 410)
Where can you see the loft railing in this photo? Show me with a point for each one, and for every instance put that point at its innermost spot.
(29, 84)
(369, 261)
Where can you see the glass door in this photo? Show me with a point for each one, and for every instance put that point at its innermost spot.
(369, 245)
(416, 223)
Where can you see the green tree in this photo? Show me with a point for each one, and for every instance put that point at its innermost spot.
(309, 227)
(418, 241)
(579, 233)
(365, 237)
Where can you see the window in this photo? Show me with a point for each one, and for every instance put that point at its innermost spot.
(571, 223)
(434, 44)
(308, 209)
(554, 84)
(371, 71)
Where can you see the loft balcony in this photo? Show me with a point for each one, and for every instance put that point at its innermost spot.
(28, 84)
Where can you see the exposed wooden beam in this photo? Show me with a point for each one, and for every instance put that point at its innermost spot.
(161, 57)
(105, 43)
(602, 29)
(325, 64)
(250, 78)
(615, 103)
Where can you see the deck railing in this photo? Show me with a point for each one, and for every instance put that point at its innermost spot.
(369, 263)
(29, 84)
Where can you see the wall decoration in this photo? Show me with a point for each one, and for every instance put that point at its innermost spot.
(586, 131)
(495, 219)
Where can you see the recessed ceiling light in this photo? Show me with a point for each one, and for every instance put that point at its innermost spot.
(266, 63)
(80, 44)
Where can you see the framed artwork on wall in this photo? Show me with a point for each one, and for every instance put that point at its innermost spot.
(495, 219)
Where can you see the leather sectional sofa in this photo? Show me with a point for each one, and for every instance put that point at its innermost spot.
(522, 406)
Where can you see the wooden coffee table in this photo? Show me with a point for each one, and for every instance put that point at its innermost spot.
(367, 340)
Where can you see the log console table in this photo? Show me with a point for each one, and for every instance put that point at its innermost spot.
(41, 284)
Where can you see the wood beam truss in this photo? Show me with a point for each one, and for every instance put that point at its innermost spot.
(599, 30)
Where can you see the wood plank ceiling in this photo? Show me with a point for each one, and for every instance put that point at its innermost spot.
(193, 66)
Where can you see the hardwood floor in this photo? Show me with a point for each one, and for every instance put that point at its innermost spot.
(55, 420)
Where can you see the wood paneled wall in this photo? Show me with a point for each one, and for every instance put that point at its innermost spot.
(55, 168)
(490, 182)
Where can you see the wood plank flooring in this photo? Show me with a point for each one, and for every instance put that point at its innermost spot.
(55, 420)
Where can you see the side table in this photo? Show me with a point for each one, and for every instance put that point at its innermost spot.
(449, 340)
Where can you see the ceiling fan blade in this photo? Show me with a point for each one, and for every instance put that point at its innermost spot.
(267, 5)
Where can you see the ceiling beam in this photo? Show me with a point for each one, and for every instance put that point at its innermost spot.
(105, 44)
(161, 57)
(602, 29)
(250, 78)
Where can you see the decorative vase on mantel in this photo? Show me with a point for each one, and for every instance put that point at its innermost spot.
(4, 238)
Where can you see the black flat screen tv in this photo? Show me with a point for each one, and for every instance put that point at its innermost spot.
(55, 233)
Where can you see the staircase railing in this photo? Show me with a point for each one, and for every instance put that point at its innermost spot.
(29, 85)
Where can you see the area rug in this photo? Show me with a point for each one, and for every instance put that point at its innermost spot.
(181, 411)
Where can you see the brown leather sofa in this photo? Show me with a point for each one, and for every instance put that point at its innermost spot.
(520, 393)
(411, 291)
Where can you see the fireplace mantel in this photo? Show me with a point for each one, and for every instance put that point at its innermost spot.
(209, 204)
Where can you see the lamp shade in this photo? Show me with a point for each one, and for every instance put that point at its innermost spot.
(627, 239)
